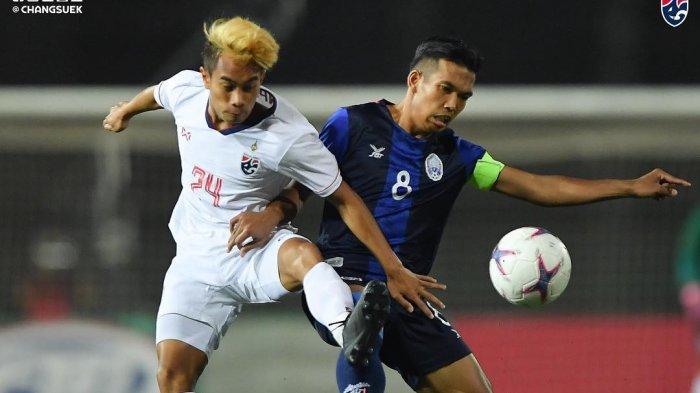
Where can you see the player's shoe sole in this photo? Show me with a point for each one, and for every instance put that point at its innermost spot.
(365, 322)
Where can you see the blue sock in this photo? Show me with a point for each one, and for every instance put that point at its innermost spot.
(369, 379)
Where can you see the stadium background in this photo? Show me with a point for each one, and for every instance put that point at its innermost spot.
(601, 89)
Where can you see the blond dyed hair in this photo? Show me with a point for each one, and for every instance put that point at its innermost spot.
(240, 38)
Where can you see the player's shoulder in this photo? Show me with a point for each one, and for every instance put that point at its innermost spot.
(284, 118)
(179, 90)
(370, 110)
(284, 124)
(186, 78)
(469, 151)
(361, 117)
(461, 143)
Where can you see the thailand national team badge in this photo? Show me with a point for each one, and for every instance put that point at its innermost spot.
(674, 11)
(249, 165)
(433, 167)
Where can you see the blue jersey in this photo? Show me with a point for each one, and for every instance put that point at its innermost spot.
(409, 185)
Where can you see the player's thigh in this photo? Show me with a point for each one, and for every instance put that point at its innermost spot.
(416, 345)
(263, 272)
(183, 345)
(295, 258)
(196, 307)
(177, 359)
(462, 376)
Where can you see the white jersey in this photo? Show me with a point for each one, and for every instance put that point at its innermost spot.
(241, 168)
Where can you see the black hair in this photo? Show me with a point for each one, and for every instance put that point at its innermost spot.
(448, 48)
(210, 55)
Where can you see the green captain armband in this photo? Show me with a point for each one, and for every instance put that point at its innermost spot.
(485, 173)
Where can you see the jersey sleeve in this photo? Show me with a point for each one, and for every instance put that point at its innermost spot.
(482, 169)
(169, 91)
(335, 134)
(311, 164)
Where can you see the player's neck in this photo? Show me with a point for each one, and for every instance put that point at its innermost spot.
(398, 113)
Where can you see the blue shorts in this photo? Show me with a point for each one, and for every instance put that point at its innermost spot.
(413, 344)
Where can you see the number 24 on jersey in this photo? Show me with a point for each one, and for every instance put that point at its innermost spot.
(207, 182)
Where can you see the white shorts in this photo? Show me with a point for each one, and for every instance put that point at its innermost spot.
(195, 333)
(208, 285)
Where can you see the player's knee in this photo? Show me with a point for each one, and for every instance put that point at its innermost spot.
(174, 378)
(302, 255)
(482, 385)
(478, 385)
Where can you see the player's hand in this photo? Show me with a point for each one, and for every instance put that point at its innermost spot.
(409, 289)
(657, 184)
(250, 230)
(116, 120)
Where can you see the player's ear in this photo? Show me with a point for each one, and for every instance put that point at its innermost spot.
(413, 78)
(263, 74)
(205, 76)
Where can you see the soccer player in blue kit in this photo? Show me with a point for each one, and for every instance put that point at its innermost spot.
(409, 167)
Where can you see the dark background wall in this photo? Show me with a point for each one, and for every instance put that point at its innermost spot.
(334, 42)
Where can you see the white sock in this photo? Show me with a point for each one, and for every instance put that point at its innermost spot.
(328, 297)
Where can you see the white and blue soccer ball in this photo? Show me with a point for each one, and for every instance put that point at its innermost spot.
(530, 267)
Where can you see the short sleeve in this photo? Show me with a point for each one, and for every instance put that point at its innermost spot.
(311, 164)
(486, 171)
(168, 91)
(335, 134)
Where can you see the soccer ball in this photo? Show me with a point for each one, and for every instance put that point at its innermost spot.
(530, 267)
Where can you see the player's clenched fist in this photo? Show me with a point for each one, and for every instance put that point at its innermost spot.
(116, 120)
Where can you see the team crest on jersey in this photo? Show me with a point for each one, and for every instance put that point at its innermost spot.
(249, 165)
(674, 12)
(433, 167)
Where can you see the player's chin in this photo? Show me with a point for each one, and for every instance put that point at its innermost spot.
(234, 118)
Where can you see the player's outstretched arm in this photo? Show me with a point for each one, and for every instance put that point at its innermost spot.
(406, 287)
(562, 190)
(119, 115)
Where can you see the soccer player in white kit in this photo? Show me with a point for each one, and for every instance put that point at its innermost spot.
(240, 145)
